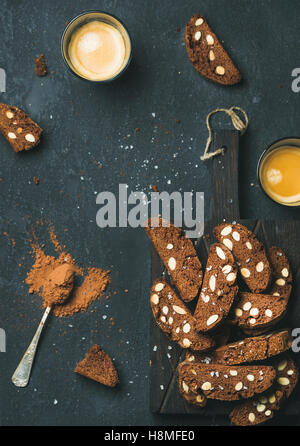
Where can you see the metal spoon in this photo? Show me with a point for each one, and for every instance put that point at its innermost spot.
(22, 374)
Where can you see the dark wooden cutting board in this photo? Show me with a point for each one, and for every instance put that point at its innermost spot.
(224, 205)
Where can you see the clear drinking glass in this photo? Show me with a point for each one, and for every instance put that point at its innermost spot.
(85, 18)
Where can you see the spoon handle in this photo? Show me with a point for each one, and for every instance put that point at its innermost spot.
(22, 374)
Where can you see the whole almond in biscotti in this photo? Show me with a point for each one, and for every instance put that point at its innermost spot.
(207, 54)
(282, 274)
(249, 254)
(262, 409)
(18, 128)
(178, 255)
(258, 312)
(226, 383)
(194, 397)
(174, 319)
(219, 289)
(257, 348)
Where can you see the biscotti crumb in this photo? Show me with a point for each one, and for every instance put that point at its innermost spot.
(40, 65)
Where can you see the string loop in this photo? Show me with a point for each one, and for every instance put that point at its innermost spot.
(237, 123)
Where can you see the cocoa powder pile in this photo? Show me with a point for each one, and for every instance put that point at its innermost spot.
(49, 270)
(58, 285)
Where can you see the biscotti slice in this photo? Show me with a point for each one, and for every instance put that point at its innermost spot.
(172, 316)
(194, 397)
(97, 365)
(256, 348)
(219, 289)
(226, 383)
(248, 252)
(207, 54)
(258, 411)
(282, 273)
(258, 311)
(18, 128)
(178, 255)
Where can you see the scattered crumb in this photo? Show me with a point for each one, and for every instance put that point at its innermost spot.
(40, 65)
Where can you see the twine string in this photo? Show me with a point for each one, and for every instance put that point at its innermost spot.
(237, 123)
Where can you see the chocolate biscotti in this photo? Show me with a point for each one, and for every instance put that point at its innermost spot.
(262, 409)
(172, 316)
(219, 289)
(207, 54)
(249, 254)
(192, 396)
(227, 383)
(282, 285)
(256, 348)
(97, 365)
(18, 128)
(256, 312)
(178, 255)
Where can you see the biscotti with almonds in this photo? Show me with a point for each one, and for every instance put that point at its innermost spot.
(207, 54)
(219, 289)
(258, 311)
(262, 409)
(178, 255)
(191, 396)
(226, 383)
(18, 128)
(282, 273)
(255, 348)
(97, 365)
(174, 319)
(249, 254)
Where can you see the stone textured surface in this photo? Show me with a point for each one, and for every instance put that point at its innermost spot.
(86, 124)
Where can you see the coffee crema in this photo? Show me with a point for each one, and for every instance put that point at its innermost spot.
(97, 51)
(279, 175)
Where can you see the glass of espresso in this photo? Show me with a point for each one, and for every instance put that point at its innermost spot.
(96, 46)
(279, 171)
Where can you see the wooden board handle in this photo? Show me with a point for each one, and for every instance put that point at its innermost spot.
(224, 201)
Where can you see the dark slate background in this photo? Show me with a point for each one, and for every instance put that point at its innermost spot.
(86, 124)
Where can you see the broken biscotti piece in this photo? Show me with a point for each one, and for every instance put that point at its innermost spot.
(18, 128)
(258, 312)
(260, 410)
(282, 285)
(97, 365)
(226, 383)
(219, 288)
(207, 54)
(256, 348)
(174, 319)
(249, 254)
(178, 255)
